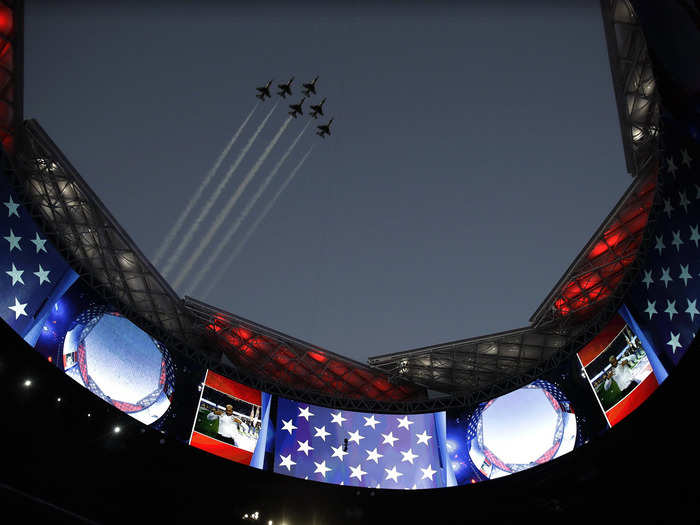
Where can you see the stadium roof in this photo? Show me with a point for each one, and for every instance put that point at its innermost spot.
(101, 251)
(594, 282)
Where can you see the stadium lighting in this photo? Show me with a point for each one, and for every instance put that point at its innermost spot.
(117, 430)
(58, 399)
(27, 382)
(88, 414)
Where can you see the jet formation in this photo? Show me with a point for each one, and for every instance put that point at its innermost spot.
(309, 88)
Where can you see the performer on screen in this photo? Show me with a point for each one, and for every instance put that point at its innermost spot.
(227, 424)
(623, 374)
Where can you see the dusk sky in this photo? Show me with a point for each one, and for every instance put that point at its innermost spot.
(475, 149)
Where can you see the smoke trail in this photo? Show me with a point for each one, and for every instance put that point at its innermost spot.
(210, 203)
(224, 213)
(242, 216)
(239, 247)
(200, 189)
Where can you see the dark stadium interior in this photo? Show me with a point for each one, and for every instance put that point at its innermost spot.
(72, 451)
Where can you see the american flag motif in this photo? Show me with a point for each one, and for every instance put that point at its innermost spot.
(34, 275)
(356, 448)
(665, 301)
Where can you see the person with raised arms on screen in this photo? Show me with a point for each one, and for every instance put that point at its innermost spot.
(623, 374)
(227, 424)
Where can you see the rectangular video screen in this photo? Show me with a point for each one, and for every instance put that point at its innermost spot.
(358, 448)
(619, 370)
(229, 419)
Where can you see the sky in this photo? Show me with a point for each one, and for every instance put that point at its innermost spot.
(475, 149)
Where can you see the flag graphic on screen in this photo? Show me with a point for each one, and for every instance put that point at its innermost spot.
(354, 448)
(666, 299)
(34, 275)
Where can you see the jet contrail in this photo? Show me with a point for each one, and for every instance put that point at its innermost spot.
(224, 213)
(242, 216)
(210, 203)
(239, 247)
(210, 175)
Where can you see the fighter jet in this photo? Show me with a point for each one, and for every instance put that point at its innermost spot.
(317, 109)
(310, 87)
(296, 108)
(285, 89)
(324, 129)
(264, 91)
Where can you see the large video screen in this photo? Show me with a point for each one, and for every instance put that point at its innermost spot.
(108, 354)
(524, 428)
(231, 420)
(34, 275)
(358, 448)
(619, 370)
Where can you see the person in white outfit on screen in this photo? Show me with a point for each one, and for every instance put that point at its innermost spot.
(227, 424)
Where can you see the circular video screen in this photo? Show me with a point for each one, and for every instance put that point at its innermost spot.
(116, 360)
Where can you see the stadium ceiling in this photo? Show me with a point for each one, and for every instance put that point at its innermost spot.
(469, 371)
(595, 281)
(633, 83)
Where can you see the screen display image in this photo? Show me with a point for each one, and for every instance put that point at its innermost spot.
(619, 371)
(108, 354)
(527, 427)
(230, 419)
(357, 448)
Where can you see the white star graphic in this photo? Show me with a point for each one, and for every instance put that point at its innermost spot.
(651, 308)
(355, 436)
(305, 413)
(684, 201)
(667, 207)
(18, 309)
(14, 241)
(287, 462)
(408, 456)
(338, 418)
(389, 438)
(428, 473)
(338, 452)
(660, 244)
(357, 472)
(39, 243)
(373, 455)
(665, 275)
(670, 309)
(674, 342)
(694, 235)
(288, 426)
(423, 438)
(304, 447)
(647, 278)
(684, 274)
(671, 167)
(371, 421)
(404, 422)
(393, 474)
(321, 432)
(321, 468)
(43, 275)
(686, 158)
(692, 309)
(12, 207)
(677, 240)
(16, 275)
